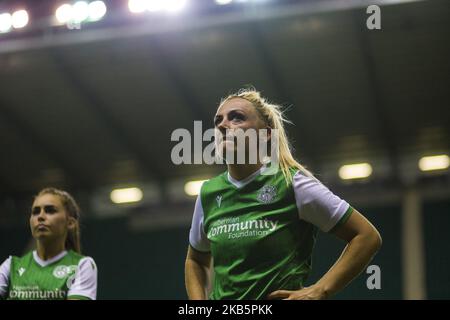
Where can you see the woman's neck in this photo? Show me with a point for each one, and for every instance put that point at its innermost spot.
(242, 171)
(48, 250)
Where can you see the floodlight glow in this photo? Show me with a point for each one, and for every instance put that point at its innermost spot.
(137, 6)
(174, 5)
(223, 2)
(431, 163)
(355, 171)
(154, 5)
(192, 188)
(80, 11)
(5, 22)
(20, 19)
(97, 10)
(64, 13)
(128, 195)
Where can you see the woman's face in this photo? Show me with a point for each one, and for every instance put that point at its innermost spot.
(235, 113)
(49, 220)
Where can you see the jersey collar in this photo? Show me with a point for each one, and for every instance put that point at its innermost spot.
(44, 263)
(241, 183)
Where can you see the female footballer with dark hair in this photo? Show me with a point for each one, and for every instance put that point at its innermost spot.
(56, 270)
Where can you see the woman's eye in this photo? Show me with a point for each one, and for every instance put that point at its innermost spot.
(50, 209)
(35, 211)
(237, 117)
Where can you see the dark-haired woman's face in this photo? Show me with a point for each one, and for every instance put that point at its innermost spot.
(236, 113)
(49, 220)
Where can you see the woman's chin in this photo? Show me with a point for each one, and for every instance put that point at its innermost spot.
(42, 235)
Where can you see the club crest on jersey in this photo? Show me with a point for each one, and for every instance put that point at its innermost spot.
(61, 272)
(266, 194)
(219, 200)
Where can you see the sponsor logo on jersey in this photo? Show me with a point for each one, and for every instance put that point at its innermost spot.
(219, 200)
(34, 292)
(266, 194)
(21, 271)
(235, 228)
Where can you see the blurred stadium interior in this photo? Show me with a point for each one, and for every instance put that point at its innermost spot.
(92, 109)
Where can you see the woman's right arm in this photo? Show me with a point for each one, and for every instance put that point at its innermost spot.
(198, 260)
(4, 278)
(197, 274)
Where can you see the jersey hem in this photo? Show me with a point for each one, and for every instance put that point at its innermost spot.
(343, 219)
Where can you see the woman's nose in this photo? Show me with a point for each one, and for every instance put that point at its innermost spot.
(41, 215)
(223, 126)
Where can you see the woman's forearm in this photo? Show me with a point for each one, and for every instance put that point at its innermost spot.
(355, 257)
(196, 278)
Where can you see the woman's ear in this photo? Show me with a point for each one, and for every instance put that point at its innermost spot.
(71, 223)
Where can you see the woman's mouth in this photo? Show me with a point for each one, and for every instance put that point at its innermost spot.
(41, 227)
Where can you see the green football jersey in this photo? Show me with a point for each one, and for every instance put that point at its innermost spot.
(69, 275)
(261, 231)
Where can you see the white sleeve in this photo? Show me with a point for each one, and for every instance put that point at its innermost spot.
(317, 204)
(85, 282)
(197, 236)
(4, 277)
